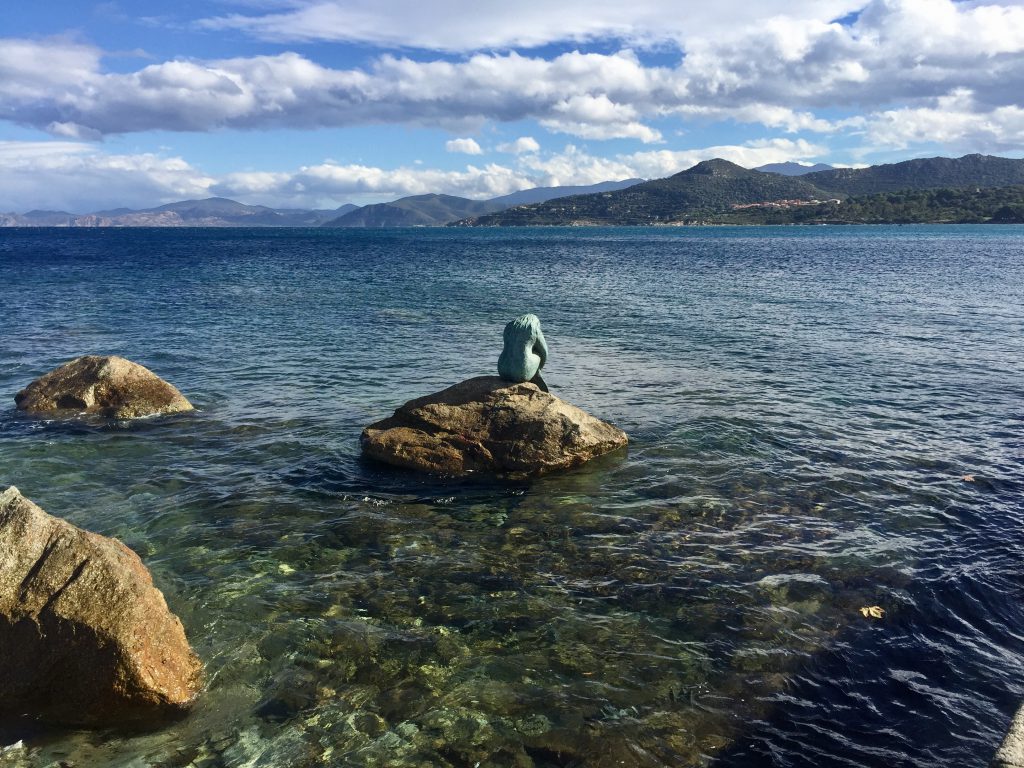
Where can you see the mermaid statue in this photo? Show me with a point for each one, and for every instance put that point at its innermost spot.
(525, 352)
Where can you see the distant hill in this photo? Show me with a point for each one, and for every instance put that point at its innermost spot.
(437, 210)
(996, 205)
(978, 171)
(699, 194)
(220, 211)
(416, 211)
(317, 216)
(543, 194)
(706, 187)
(792, 169)
(715, 186)
(48, 218)
(211, 212)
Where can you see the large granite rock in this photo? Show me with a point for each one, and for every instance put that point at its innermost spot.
(489, 425)
(85, 637)
(1011, 751)
(106, 385)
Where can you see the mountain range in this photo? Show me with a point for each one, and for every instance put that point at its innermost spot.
(436, 210)
(717, 186)
(793, 169)
(212, 212)
(707, 192)
(419, 210)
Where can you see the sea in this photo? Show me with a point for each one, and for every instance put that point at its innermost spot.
(822, 420)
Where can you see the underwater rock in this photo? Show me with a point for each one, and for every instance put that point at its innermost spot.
(85, 637)
(489, 425)
(107, 385)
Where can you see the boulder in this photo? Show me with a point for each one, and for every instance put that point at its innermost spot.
(106, 385)
(489, 425)
(85, 637)
(1011, 751)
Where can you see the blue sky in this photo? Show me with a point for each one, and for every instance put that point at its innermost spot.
(315, 103)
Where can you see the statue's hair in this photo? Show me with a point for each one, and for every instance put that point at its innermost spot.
(525, 350)
(523, 327)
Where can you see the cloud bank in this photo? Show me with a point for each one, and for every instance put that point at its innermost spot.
(790, 64)
(448, 25)
(80, 177)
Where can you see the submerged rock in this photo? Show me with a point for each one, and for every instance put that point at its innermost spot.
(489, 425)
(106, 385)
(85, 637)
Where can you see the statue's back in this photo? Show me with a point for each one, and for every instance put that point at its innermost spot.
(525, 350)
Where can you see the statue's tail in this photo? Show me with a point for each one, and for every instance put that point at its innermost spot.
(539, 382)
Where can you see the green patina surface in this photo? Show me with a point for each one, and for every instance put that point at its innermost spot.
(525, 350)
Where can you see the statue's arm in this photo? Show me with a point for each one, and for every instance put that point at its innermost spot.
(540, 348)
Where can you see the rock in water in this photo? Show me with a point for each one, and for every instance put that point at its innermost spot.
(107, 385)
(85, 637)
(488, 425)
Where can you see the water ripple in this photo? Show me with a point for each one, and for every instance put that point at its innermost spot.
(820, 421)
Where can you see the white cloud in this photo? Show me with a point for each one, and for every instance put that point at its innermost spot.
(769, 115)
(897, 50)
(584, 93)
(73, 131)
(750, 155)
(19, 153)
(81, 178)
(30, 67)
(955, 121)
(598, 117)
(465, 146)
(522, 145)
(333, 183)
(575, 166)
(779, 67)
(458, 25)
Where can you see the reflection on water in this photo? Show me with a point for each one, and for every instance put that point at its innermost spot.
(803, 407)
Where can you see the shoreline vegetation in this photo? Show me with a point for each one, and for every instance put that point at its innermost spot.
(1003, 205)
(942, 206)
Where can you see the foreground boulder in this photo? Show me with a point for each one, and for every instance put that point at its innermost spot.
(106, 385)
(1011, 751)
(85, 637)
(489, 425)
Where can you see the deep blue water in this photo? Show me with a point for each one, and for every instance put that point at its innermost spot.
(803, 405)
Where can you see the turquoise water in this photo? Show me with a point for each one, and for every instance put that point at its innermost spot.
(803, 405)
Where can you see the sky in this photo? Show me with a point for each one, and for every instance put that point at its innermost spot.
(317, 103)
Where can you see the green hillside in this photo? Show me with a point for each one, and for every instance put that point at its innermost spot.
(926, 173)
(708, 187)
(1002, 205)
(709, 190)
